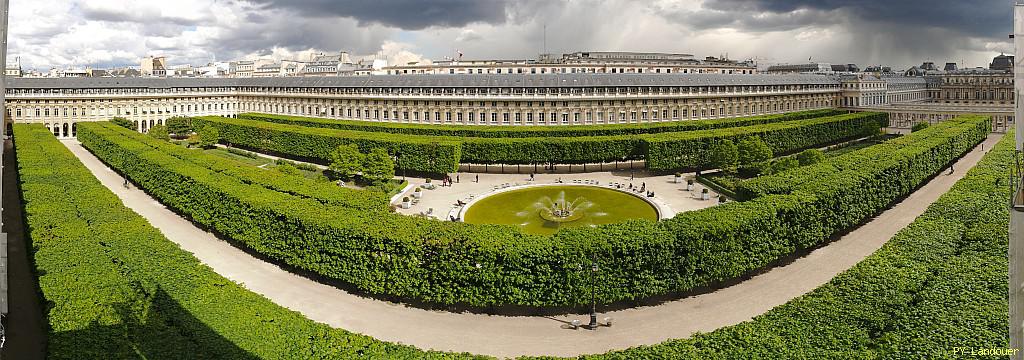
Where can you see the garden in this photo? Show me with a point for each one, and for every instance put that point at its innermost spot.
(489, 266)
(117, 289)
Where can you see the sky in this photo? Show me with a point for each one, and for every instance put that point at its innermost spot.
(898, 33)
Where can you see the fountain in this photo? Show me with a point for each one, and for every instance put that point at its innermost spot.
(560, 210)
(546, 209)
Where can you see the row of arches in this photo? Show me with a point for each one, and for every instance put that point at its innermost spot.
(63, 130)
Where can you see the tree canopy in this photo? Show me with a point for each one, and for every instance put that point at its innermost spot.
(753, 150)
(378, 167)
(724, 154)
(346, 160)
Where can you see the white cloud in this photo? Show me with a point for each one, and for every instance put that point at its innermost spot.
(64, 33)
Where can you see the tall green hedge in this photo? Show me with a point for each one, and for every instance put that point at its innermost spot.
(499, 131)
(664, 151)
(115, 288)
(692, 149)
(298, 185)
(937, 286)
(923, 149)
(432, 155)
(456, 263)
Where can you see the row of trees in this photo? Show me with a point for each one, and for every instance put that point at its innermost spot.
(754, 153)
(728, 155)
(376, 166)
(207, 137)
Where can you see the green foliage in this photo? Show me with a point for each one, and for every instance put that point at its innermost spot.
(919, 126)
(122, 122)
(115, 288)
(209, 136)
(378, 167)
(724, 154)
(429, 155)
(671, 151)
(297, 186)
(346, 161)
(442, 154)
(783, 164)
(179, 125)
(242, 153)
(159, 132)
(288, 169)
(810, 157)
(488, 131)
(753, 150)
(431, 261)
(939, 284)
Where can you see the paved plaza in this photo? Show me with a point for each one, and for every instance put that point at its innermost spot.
(441, 202)
(507, 336)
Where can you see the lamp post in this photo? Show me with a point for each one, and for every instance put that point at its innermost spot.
(593, 297)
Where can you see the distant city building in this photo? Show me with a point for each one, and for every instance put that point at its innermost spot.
(325, 65)
(879, 71)
(71, 73)
(1002, 63)
(242, 69)
(929, 66)
(154, 66)
(810, 68)
(976, 86)
(125, 72)
(13, 69)
(847, 68)
(90, 72)
(950, 66)
(600, 62)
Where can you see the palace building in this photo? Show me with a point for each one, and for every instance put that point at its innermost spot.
(508, 99)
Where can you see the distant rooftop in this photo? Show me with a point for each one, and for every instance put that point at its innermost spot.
(456, 80)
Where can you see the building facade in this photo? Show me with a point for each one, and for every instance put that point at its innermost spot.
(816, 68)
(154, 66)
(605, 62)
(867, 90)
(513, 100)
(976, 86)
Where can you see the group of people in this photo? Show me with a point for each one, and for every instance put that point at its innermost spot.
(447, 181)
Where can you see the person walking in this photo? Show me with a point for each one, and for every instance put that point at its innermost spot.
(457, 178)
(478, 178)
(951, 170)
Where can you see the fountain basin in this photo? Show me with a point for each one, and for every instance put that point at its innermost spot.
(544, 209)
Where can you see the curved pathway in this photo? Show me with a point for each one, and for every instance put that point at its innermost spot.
(512, 336)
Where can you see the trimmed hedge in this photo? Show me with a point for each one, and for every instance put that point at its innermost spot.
(663, 151)
(692, 149)
(425, 154)
(481, 266)
(298, 185)
(117, 289)
(505, 131)
(938, 285)
(932, 149)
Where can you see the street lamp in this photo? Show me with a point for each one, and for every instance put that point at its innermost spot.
(593, 297)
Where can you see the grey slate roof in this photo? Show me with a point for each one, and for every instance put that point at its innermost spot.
(456, 80)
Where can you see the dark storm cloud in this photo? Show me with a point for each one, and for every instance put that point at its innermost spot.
(985, 18)
(403, 14)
